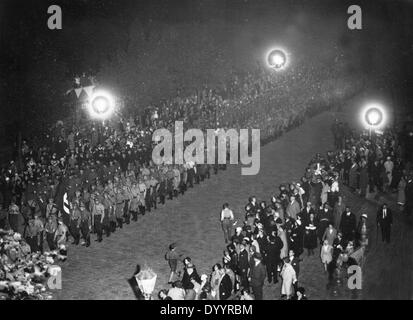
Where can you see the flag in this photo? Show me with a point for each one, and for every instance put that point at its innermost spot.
(66, 205)
(78, 91)
(89, 90)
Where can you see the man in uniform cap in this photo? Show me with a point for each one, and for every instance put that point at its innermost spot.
(75, 222)
(127, 195)
(50, 228)
(119, 206)
(85, 223)
(98, 214)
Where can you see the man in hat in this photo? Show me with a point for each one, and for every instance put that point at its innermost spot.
(348, 225)
(273, 257)
(50, 228)
(257, 276)
(74, 223)
(243, 265)
(384, 221)
(51, 208)
(85, 223)
(119, 206)
(98, 214)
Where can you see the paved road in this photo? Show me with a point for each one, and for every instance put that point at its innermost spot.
(100, 272)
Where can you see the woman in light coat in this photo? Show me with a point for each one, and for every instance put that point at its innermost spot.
(289, 278)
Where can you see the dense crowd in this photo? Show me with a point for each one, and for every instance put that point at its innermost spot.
(307, 215)
(85, 178)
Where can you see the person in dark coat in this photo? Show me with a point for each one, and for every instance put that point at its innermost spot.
(243, 266)
(310, 236)
(364, 179)
(190, 273)
(297, 237)
(225, 287)
(325, 216)
(348, 225)
(385, 221)
(257, 276)
(273, 257)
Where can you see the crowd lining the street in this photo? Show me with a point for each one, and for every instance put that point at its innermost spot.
(83, 179)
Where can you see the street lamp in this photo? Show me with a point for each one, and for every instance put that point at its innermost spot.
(277, 59)
(101, 105)
(373, 116)
(146, 280)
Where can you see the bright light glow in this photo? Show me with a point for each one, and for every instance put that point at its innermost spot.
(277, 59)
(101, 105)
(374, 116)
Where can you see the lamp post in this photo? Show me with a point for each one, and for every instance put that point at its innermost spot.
(373, 117)
(146, 280)
(277, 59)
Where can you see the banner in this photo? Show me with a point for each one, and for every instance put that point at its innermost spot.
(66, 206)
(89, 90)
(78, 92)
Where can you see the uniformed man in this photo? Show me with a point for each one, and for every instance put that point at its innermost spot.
(85, 224)
(148, 195)
(142, 196)
(127, 195)
(32, 235)
(75, 223)
(98, 214)
(184, 177)
(50, 228)
(51, 209)
(176, 179)
(162, 188)
(119, 206)
(170, 182)
(134, 203)
(191, 173)
(154, 190)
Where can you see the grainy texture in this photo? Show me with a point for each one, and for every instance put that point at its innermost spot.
(100, 272)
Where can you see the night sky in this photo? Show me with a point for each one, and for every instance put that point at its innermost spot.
(37, 65)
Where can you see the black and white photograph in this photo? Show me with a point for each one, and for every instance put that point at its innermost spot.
(216, 150)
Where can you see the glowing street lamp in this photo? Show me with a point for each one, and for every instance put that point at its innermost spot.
(146, 280)
(101, 105)
(373, 116)
(277, 59)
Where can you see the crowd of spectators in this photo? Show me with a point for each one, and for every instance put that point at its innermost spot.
(307, 215)
(84, 178)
